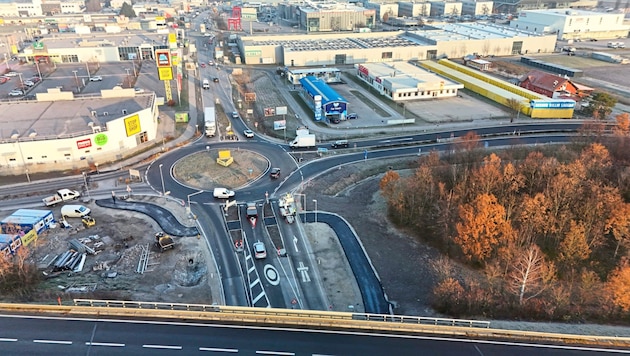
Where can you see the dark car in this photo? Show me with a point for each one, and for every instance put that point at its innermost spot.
(352, 116)
(215, 79)
(340, 144)
(274, 173)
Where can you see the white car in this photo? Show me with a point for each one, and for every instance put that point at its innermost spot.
(234, 115)
(11, 74)
(96, 78)
(248, 133)
(138, 90)
(29, 83)
(16, 92)
(260, 251)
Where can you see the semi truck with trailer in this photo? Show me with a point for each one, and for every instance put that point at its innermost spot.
(210, 121)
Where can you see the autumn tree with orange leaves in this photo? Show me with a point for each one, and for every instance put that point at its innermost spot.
(546, 229)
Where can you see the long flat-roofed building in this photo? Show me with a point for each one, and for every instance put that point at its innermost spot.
(438, 40)
(402, 81)
(570, 24)
(68, 132)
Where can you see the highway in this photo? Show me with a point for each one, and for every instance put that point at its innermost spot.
(24, 335)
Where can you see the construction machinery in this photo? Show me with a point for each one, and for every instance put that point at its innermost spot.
(88, 221)
(164, 242)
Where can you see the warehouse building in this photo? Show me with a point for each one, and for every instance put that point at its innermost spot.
(402, 81)
(570, 24)
(439, 40)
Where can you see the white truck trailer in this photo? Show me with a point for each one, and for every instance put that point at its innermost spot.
(210, 121)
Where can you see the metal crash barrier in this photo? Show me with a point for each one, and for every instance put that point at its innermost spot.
(307, 319)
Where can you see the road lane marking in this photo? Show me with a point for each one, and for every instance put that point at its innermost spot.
(275, 353)
(60, 342)
(304, 271)
(90, 343)
(215, 349)
(7, 340)
(170, 347)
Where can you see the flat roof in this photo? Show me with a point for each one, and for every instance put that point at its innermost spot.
(404, 74)
(571, 12)
(318, 87)
(321, 44)
(36, 120)
(102, 39)
(472, 31)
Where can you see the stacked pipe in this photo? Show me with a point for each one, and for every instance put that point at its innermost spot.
(68, 261)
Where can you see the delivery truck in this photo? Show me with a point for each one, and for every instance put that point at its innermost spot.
(303, 141)
(210, 121)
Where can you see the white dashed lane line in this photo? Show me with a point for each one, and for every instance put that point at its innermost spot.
(169, 347)
(7, 340)
(215, 349)
(275, 353)
(110, 344)
(59, 342)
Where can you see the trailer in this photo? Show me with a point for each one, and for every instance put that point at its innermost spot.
(287, 208)
(210, 121)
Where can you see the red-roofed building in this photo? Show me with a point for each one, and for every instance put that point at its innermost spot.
(554, 86)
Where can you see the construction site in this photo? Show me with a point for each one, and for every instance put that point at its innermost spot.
(124, 255)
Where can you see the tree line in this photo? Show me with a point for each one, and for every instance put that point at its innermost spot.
(541, 233)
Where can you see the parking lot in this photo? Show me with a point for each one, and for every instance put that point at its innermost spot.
(74, 77)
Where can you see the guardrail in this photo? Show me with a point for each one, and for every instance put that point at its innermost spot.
(303, 319)
(281, 312)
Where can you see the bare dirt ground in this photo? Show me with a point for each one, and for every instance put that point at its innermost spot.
(119, 237)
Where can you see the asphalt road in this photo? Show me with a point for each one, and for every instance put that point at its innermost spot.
(23, 335)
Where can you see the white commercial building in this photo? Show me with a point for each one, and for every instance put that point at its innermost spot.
(450, 40)
(569, 24)
(402, 81)
(62, 131)
(477, 7)
(414, 9)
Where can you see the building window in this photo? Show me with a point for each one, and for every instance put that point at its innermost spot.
(386, 55)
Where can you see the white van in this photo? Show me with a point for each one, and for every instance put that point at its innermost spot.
(223, 193)
(206, 84)
(74, 211)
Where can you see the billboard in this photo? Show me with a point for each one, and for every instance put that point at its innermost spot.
(132, 125)
(280, 125)
(270, 111)
(165, 73)
(81, 144)
(281, 110)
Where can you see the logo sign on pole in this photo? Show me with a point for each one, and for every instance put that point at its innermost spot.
(163, 57)
(165, 73)
(281, 110)
(270, 111)
(280, 125)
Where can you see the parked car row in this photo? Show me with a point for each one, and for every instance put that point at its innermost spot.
(22, 89)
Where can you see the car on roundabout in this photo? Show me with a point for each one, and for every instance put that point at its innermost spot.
(274, 173)
(248, 133)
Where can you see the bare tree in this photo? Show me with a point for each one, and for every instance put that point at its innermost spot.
(515, 107)
(531, 274)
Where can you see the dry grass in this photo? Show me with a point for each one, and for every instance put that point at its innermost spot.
(202, 171)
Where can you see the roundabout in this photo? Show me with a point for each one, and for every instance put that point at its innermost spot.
(201, 170)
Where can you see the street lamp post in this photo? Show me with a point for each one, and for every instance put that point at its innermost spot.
(315, 201)
(128, 79)
(28, 177)
(39, 72)
(76, 79)
(162, 178)
(87, 67)
(21, 81)
(87, 188)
